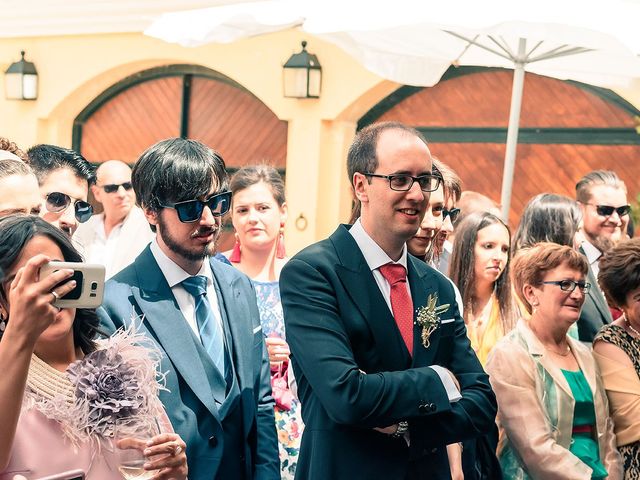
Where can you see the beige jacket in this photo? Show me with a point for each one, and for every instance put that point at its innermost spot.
(535, 410)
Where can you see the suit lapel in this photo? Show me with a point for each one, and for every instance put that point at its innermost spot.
(361, 286)
(163, 316)
(237, 313)
(422, 285)
(597, 297)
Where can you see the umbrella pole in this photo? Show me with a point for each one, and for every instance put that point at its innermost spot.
(512, 130)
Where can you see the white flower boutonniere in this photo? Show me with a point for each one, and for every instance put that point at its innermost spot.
(428, 317)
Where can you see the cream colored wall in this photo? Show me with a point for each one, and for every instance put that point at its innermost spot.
(73, 70)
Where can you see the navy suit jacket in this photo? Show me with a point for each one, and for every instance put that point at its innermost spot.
(194, 385)
(338, 324)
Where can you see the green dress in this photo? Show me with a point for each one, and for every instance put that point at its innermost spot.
(583, 445)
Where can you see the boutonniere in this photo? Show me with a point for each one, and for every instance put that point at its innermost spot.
(428, 317)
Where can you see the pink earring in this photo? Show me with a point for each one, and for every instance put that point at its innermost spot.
(280, 251)
(235, 253)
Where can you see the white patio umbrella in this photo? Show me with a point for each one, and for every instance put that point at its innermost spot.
(414, 42)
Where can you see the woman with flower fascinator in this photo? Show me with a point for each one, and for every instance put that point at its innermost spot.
(62, 392)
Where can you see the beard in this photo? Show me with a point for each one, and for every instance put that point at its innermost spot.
(601, 242)
(192, 255)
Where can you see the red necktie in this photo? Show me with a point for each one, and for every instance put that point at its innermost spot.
(401, 303)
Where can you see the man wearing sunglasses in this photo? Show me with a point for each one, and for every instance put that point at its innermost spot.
(115, 237)
(64, 177)
(602, 197)
(382, 396)
(201, 313)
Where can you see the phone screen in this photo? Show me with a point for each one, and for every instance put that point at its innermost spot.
(77, 291)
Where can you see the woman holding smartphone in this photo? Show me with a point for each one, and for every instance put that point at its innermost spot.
(62, 394)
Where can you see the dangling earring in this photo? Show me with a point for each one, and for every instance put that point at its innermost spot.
(3, 324)
(280, 252)
(235, 253)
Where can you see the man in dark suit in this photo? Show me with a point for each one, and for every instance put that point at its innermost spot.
(602, 197)
(201, 313)
(378, 399)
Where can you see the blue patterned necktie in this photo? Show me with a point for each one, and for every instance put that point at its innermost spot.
(211, 334)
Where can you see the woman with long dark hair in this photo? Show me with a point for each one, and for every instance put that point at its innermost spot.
(63, 393)
(480, 269)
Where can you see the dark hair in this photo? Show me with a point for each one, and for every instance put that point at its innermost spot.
(9, 166)
(250, 175)
(11, 147)
(462, 266)
(362, 156)
(44, 159)
(452, 185)
(620, 271)
(177, 169)
(15, 232)
(531, 264)
(597, 177)
(547, 218)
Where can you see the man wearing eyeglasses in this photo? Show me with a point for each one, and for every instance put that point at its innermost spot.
(115, 237)
(201, 313)
(64, 177)
(602, 197)
(385, 372)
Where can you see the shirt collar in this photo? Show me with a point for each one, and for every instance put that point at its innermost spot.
(173, 272)
(592, 253)
(374, 255)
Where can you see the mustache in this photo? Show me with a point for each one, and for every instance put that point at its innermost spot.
(202, 232)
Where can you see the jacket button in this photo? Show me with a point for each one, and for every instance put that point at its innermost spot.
(213, 441)
(432, 407)
(423, 408)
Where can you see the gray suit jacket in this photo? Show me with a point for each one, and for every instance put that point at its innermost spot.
(595, 311)
(194, 386)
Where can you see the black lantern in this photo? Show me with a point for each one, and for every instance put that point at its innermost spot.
(21, 80)
(302, 75)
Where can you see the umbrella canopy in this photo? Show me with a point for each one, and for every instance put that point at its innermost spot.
(414, 42)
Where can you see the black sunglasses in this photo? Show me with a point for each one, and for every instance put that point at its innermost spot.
(57, 202)
(191, 210)
(607, 210)
(570, 285)
(453, 213)
(113, 187)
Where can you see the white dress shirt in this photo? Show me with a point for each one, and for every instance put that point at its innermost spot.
(593, 256)
(186, 302)
(376, 257)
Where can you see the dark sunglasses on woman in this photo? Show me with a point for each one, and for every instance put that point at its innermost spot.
(113, 187)
(57, 202)
(453, 213)
(190, 211)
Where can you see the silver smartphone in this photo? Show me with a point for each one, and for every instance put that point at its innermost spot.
(89, 289)
(70, 475)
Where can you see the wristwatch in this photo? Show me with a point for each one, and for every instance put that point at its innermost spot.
(403, 427)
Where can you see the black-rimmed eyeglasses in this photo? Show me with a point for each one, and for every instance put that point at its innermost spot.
(58, 202)
(607, 210)
(113, 187)
(570, 285)
(453, 213)
(402, 183)
(190, 211)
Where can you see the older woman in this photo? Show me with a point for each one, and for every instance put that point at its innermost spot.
(617, 349)
(552, 409)
(61, 393)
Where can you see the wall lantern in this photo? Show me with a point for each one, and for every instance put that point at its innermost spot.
(302, 75)
(21, 80)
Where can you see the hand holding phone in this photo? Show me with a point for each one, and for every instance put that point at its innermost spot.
(89, 289)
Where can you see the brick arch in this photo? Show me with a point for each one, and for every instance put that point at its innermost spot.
(566, 130)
